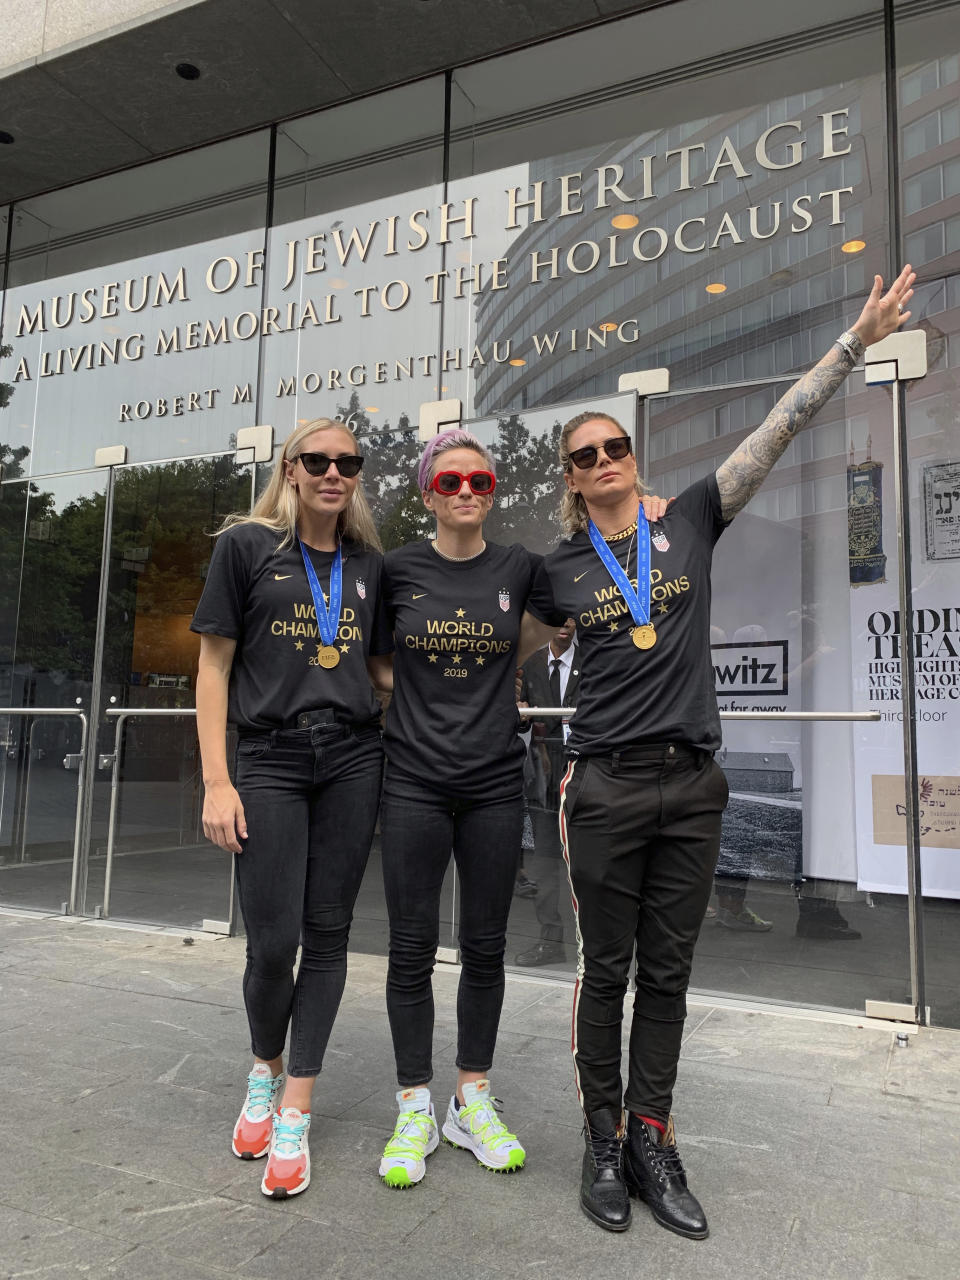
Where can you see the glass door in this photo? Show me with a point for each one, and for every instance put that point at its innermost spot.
(150, 861)
(51, 548)
(797, 915)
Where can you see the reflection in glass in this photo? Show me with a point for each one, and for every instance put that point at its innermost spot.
(796, 889)
(529, 481)
(164, 870)
(50, 551)
(356, 256)
(687, 245)
(132, 309)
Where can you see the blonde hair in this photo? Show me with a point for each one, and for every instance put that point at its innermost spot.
(278, 506)
(574, 516)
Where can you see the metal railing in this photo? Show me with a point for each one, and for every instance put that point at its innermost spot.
(567, 712)
(111, 760)
(38, 713)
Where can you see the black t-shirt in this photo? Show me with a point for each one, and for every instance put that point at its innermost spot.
(629, 695)
(260, 597)
(453, 719)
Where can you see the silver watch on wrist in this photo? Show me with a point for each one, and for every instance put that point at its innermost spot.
(852, 345)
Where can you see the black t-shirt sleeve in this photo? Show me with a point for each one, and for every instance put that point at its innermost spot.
(700, 504)
(541, 601)
(220, 610)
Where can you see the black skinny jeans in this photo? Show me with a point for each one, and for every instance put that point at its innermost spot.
(310, 799)
(419, 828)
(641, 836)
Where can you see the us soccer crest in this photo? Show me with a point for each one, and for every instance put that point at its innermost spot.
(361, 589)
(504, 599)
(659, 540)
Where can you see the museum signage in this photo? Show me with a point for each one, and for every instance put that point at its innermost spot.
(302, 289)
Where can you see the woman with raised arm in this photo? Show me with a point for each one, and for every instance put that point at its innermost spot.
(642, 799)
(291, 633)
(454, 782)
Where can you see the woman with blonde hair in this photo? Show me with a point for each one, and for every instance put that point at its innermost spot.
(292, 633)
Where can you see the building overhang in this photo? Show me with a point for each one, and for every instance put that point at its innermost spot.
(115, 98)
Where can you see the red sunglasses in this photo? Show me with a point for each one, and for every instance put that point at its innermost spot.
(451, 482)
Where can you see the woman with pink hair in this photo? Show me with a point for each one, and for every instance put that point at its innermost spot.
(453, 782)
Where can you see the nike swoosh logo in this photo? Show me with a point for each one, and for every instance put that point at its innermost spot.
(421, 595)
(279, 577)
(581, 575)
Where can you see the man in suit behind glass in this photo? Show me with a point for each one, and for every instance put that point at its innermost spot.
(550, 679)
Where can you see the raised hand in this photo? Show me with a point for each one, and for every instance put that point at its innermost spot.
(883, 313)
(740, 476)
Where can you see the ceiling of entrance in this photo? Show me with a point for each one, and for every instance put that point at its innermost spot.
(118, 100)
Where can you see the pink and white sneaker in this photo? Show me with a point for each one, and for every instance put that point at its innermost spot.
(288, 1164)
(254, 1127)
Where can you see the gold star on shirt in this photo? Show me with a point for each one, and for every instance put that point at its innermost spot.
(461, 612)
(344, 648)
(614, 626)
(480, 661)
(432, 657)
(662, 609)
(299, 644)
(455, 658)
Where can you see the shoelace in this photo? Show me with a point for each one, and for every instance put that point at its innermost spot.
(607, 1152)
(493, 1132)
(287, 1137)
(411, 1135)
(260, 1094)
(666, 1160)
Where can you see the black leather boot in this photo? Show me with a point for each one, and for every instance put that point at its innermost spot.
(603, 1192)
(654, 1173)
(818, 918)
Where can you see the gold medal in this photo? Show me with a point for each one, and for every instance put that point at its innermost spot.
(644, 637)
(328, 656)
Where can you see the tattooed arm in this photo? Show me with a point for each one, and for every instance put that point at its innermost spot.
(739, 478)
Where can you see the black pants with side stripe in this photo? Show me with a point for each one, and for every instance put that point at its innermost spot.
(641, 836)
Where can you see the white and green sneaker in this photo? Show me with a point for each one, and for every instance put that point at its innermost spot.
(477, 1127)
(405, 1156)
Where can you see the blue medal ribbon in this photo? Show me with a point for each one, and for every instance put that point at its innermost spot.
(639, 609)
(328, 623)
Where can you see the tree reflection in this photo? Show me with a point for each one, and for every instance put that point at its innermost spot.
(529, 485)
(50, 560)
(163, 519)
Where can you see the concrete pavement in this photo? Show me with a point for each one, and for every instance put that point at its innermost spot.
(818, 1147)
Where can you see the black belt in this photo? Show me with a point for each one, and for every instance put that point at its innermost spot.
(655, 753)
(307, 719)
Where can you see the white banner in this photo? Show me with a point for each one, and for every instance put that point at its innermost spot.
(876, 650)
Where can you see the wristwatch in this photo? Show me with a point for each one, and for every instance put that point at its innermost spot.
(852, 345)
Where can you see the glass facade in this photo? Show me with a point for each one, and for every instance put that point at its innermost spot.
(657, 192)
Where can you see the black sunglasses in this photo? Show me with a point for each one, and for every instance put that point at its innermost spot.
(318, 464)
(615, 448)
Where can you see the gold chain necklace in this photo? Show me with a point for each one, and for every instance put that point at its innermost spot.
(623, 533)
(457, 559)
